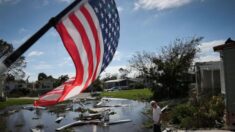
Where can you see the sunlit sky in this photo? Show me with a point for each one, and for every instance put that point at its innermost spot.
(145, 25)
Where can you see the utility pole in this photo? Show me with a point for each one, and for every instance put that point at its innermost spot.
(2, 94)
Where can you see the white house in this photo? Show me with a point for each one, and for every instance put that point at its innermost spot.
(227, 54)
(208, 78)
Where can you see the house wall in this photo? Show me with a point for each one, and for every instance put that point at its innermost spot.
(46, 84)
(1, 87)
(229, 72)
(117, 84)
(222, 78)
(208, 78)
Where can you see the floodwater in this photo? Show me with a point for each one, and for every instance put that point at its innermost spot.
(24, 120)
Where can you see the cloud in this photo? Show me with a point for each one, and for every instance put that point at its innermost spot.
(208, 46)
(207, 53)
(35, 53)
(120, 9)
(66, 1)
(112, 69)
(115, 70)
(66, 62)
(53, 34)
(20, 41)
(23, 30)
(117, 56)
(43, 66)
(159, 4)
(45, 2)
(9, 1)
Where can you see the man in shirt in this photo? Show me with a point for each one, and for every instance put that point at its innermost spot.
(156, 116)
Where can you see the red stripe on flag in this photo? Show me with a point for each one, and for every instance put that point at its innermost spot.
(44, 102)
(96, 37)
(77, 23)
(72, 49)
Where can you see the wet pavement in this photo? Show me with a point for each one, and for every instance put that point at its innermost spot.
(23, 120)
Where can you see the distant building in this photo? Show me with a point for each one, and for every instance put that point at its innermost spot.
(117, 84)
(2, 95)
(227, 54)
(46, 84)
(208, 80)
(15, 84)
(127, 83)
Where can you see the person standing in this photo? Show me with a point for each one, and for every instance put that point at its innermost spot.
(156, 116)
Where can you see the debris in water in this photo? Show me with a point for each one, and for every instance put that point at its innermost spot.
(59, 119)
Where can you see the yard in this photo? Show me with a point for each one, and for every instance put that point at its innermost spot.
(15, 101)
(134, 94)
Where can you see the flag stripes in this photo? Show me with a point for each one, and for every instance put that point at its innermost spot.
(82, 35)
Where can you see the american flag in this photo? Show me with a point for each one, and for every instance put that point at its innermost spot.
(90, 33)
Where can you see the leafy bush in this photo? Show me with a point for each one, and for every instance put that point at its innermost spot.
(202, 115)
(137, 86)
(181, 112)
(19, 92)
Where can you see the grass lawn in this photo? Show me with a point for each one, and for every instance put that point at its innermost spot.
(15, 101)
(134, 94)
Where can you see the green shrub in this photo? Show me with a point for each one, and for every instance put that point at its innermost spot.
(137, 86)
(19, 92)
(188, 122)
(182, 111)
(202, 115)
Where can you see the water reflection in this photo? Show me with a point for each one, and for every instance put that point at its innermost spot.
(45, 119)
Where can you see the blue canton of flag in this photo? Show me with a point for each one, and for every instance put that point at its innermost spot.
(107, 14)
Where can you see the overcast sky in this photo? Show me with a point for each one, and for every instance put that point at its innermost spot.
(145, 25)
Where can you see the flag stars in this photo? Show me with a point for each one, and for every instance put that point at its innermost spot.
(108, 59)
(100, 4)
(105, 10)
(106, 30)
(102, 15)
(96, 10)
(109, 25)
(102, 25)
(109, 15)
(106, 20)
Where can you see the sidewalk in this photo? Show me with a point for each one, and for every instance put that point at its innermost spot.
(212, 130)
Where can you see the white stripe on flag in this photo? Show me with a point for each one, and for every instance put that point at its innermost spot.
(97, 24)
(75, 35)
(90, 36)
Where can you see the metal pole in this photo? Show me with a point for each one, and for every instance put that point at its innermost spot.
(27, 44)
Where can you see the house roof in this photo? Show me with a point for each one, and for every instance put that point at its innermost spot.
(113, 81)
(210, 65)
(228, 44)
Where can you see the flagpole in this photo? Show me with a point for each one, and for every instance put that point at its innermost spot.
(28, 43)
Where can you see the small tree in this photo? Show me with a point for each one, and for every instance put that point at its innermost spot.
(169, 70)
(123, 73)
(60, 80)
(97, 85)
(16, 69)
(41, 76)
(109, 76)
